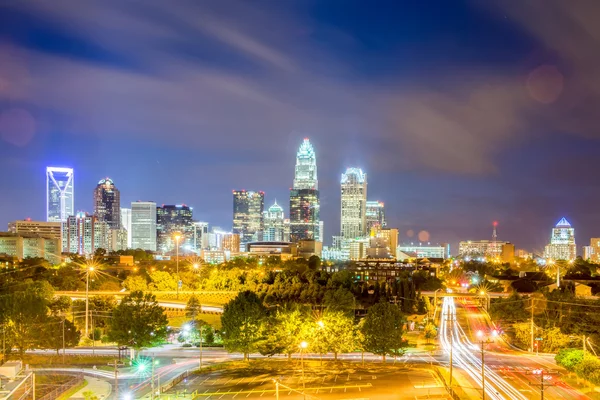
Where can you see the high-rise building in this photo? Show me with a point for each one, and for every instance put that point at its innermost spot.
(248, 208)
(562, 242)
(490, 249)
(375, 214)
(274, 224)
(304, 196)
(354, 202)
(126, 224)
(231, 243)
(143, 225)
(389, 236)
(41, 228)
(172, 220)
(200, 236)
(84, 234)
(60, 199)
(107, 203)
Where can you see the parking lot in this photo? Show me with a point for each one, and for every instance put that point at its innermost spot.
(396, 383)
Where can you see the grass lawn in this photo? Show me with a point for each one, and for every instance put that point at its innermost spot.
(582, 386)
(52, 360)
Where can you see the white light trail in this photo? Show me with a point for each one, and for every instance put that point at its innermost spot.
(463, 356)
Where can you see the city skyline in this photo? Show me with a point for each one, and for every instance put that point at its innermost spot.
(454, 129)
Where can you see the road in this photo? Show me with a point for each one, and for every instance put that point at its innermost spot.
(508, 372)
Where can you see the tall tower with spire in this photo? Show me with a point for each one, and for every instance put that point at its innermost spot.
(274, 224)
(304, 196)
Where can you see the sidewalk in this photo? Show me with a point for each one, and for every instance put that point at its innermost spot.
(98, 387)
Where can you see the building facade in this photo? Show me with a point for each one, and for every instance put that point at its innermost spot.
(305, 220)
(248, 209)
(60, 194)
(562, 242)
(107, 203)
(126, 224)
(52, 230)
(174, 220)
(353, 204)
(143, 225)
(274, 224)
(200, 236)
(487, 249)
(425, 250)
(83, 234)
(375, 215)
(26, 245)
(592, 252)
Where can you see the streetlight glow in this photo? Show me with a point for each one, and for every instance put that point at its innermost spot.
(303, 344)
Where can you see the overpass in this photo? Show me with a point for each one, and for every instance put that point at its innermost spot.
(443, 293)
(169, 304)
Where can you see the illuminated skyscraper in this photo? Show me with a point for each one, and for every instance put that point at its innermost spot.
(354, 203)
(60, 199)
(107, 203)
(83, 234)
(143, 225)
(375, 214)
(126, 223)
(562, 242)
(304, 196)
(248, 207)
(274, 224)
(172, 220)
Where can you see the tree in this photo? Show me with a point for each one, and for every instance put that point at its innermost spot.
(52, 334)
(383, 329)
(430, 331)
(135, 283)
(512, 309)
(193, 308)
(284, 332)
(340, 299)
(242, 323)
(60, 304)
(162, 280)
(100, 307)
(335, 333)
(314, 262)
(138, 321)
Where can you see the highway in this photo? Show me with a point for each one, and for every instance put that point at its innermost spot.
(508, 372)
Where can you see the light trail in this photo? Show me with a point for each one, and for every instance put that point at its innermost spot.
(463, 356)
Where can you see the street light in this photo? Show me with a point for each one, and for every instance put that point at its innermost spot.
(303, 346)
(486, 297)
(483, 340)
(88, 269)
(177, 238)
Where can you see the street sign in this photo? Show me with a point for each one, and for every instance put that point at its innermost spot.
(538, 338)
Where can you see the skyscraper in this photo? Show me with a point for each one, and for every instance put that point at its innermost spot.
(126, 223)
(83, 234)
(171, 220)
(304, 196)
(60, 199)
(274, 224)
(375, 214)
(562, 242)
(107, 203)
(143, 225)
(354, 202)
(248, 207)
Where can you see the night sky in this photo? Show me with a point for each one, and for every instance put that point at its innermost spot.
(460, 112)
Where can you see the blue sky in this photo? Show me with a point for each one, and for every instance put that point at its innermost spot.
(461, 112)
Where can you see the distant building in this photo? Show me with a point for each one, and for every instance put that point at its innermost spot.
(45, 229)
(562, 242)
(592, 252)
(107, 203)
(24, 245)
(304, 196)
(389, 235)
(84, 234)
(426, 250)
(126, 224)
(487, 249)
(60, 199)
(274, 224)
(375, 215)
(143, 225)
(200, 236)
(117, 240)
(231, 243)
(353, 203)
(174, 220)
(248, 208)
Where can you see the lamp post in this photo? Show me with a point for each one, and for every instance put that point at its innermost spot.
(88, 269)
(303, 346)
(486, 298)
(481, 337)
(177, 237)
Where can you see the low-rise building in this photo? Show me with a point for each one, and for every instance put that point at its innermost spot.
(487, 249)
(23, 245)
(425, 250)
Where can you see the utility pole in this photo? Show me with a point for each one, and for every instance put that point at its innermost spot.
(482, 373)
(532, 303)
(63, 329)
(152, 381)
(116, 379)
(584, 345)
(543, 386)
